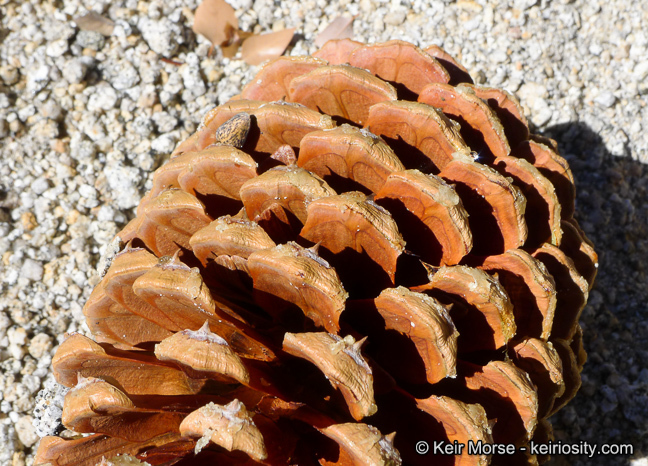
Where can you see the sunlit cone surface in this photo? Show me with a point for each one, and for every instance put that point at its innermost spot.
(362, 251)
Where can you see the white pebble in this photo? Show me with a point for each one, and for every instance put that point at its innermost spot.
(40, 345)
(395, 18)
(124, 76)
(162, 36)
(26, 432)
(31, 269)
(17, 336)
(75, 70)
(40, 185)
(37, 78)
(605, 99)
(165, 123)
(57, 48)
(103, 98)
(163, 144)
(641, 70)
(123, 183)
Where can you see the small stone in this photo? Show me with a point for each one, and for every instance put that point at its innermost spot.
(640, 70)
(214, 75)
(531, 91)
(55, 29)
(57, 48)
(49, 408)
(123, 183)
(162, 36)
(174, 85)
(122, 29)
(595, 49)
(108, 255)
(31, 269)
(149, 73)
(72, 217)
(395, 18)
(87, 191)
(17, 336)
(75, 69)
(37, 78)
(165, 123)
(80, 149)
(123, 75)
(5, 322)
(40, 345)
(45, 130)
(18, 459)
(541, 113)
(610, 401)
(59, 146)
(28, 221)
(9, 74)
(148, 98)
(103, 98)
(15, 126)
(241, 4)
(26, 432)
(499, 57)
(264, 13)
(25, 112)
(142, 126)
(91, 40)
(605, 99)
(615, 380)
(163, 144)
(194, 86)
(143, 147)
(106, 213)
(642, 379)
(52, 110)
(569, 415)
(525, 4)
(40, 185)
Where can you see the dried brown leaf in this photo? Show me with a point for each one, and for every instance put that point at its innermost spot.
(340, 28)
(232, 47)
(258, 48)
(230, 50)
(215, 19)
(93, 21)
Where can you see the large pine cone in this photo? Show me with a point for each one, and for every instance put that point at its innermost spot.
(362, 244)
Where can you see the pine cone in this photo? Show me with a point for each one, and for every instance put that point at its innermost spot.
(362, 251)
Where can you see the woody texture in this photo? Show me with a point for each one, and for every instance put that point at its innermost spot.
(361, 251)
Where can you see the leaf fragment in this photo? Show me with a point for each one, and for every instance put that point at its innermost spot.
(340, 28)
(94, 22)
(258, 48)
(215, 19)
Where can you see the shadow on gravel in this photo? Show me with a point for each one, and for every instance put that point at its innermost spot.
(612, 208)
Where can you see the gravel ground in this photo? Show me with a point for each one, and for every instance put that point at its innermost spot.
(85, 119)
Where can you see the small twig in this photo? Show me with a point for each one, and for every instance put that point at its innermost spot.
(171, 62)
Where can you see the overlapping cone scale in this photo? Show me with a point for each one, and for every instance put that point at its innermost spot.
(362, 251)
